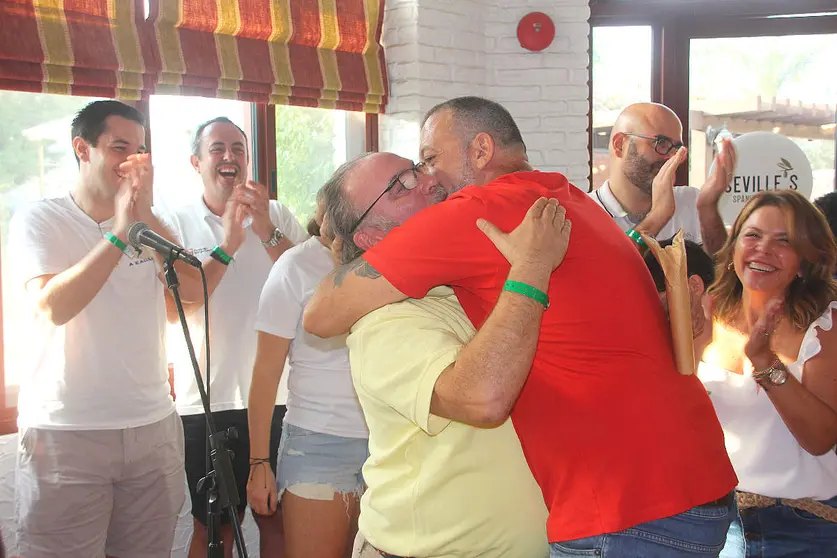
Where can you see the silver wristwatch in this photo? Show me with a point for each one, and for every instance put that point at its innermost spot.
(275, 238)
(774, 375)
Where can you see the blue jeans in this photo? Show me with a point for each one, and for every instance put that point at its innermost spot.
(781, 532)
(700, 531)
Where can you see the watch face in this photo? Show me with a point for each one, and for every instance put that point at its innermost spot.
(778, 376)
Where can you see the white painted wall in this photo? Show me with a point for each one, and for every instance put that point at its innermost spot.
(438, 49)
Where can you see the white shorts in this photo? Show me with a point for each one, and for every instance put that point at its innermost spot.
(85, 493)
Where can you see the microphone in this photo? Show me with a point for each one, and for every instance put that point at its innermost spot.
(140, 235)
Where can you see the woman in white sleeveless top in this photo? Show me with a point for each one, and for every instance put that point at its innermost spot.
(771, 372)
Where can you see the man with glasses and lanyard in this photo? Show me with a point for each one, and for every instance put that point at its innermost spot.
(646, 149)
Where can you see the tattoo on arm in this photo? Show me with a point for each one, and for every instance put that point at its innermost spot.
(360, 268)
(367, 271)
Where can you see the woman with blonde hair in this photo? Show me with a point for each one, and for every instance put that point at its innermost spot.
(771, 372)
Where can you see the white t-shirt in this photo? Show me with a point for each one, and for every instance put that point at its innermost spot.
(106, 367)
(232, 310)
(321, 395)
(685, 212)
(767, 458)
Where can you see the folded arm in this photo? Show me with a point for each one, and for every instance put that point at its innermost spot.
(481, 387)
(808, 408)
(60, 297)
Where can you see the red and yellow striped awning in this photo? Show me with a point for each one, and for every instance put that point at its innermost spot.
(75, 47)
(321, 53)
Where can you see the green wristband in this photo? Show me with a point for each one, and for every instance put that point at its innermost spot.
(636, 237)
(113, 239)
(218, 254)
(528, 291)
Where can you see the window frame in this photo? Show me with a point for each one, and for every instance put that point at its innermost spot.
(674, 25)
(263, 144)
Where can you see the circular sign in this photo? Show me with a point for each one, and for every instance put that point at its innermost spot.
(535, 31)
(766, 161)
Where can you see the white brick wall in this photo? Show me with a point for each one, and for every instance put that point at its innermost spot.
(438, 49)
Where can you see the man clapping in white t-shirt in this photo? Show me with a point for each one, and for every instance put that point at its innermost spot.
(100, 464)
(238, 233)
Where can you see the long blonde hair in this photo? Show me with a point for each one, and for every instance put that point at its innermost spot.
(811, 238)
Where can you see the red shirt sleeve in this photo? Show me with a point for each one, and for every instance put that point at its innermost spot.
(441, 245)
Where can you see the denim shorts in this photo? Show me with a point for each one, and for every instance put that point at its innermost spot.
(698, 532)
(315, 466)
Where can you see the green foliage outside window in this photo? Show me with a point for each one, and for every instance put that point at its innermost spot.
(304, 156)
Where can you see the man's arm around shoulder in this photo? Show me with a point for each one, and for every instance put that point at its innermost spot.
(346, 295)
(482, 386)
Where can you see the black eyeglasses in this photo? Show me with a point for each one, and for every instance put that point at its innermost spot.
(408, 179)
(662, 144)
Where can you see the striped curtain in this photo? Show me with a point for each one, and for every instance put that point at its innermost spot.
(320, 53)
(92, 48)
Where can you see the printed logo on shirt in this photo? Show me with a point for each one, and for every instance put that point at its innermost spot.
(198, 251)
(140, 261)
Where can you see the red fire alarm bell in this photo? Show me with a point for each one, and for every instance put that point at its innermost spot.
(535, 31)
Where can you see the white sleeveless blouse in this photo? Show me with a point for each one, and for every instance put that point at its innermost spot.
(767, 458)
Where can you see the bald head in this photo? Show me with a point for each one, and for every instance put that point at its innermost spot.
(370, 195)
(649, 119)
(643, 138)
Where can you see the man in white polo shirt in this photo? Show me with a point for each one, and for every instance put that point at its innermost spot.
(238, 233)
(646, 149)
(100, 460)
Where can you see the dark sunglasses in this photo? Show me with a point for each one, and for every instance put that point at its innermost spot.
(662, 144)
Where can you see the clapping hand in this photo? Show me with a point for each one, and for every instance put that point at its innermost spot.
(757, 348)
(254, 198)
(724, 169)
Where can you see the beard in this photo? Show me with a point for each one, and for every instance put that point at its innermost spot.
(466, 176)
(640, 171)
(439, 195)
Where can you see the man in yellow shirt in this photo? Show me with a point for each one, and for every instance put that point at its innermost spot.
(443, 480)
(436, 487)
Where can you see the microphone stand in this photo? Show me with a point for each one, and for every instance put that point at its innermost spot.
(219, 481)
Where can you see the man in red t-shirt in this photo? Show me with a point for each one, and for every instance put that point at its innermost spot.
(628, 453)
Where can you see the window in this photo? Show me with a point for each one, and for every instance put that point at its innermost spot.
(37, 159)
(310, 144)
(621, 76)
(780, 84)
(768, 42)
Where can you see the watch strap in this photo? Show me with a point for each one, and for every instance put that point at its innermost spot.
(275, 238)
(765, 374)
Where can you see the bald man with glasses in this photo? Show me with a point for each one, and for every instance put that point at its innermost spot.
(646, 148)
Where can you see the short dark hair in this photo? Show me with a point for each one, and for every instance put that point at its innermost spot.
(89, 122)
(473, 115)
(698, 262)
(196, 140)
(341, 212)
(827, 204)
